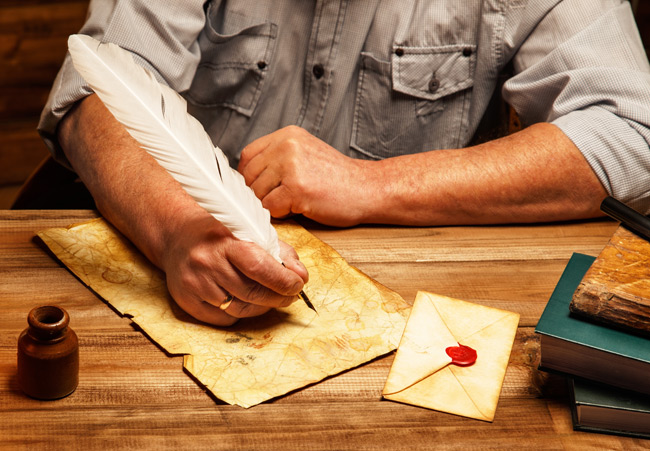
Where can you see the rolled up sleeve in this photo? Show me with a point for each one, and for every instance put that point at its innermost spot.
(584, 69)
(162, 37)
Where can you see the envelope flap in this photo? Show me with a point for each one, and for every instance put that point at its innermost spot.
(421, 351)
(464, 319)
(444, 392)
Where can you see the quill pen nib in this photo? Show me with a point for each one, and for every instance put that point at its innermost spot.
(302, 295)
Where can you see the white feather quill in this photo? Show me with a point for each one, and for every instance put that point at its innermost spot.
(156, 116)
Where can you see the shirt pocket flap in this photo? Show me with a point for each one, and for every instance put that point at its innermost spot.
(234, 65)
(432, 72)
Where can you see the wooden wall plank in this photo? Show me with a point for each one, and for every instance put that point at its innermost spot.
(33, 43)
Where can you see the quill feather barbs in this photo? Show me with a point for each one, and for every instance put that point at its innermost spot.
(156, 116)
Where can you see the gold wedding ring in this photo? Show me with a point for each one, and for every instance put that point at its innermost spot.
(226, 302)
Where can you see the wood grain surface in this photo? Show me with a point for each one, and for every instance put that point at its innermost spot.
(133, 395)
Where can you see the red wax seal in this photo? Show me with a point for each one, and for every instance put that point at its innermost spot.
(461, 355)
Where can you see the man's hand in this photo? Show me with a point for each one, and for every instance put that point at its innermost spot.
(203, 261)
(293, 172)
(205, 264)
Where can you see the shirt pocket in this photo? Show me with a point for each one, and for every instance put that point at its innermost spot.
(233, 66)
(416, 102)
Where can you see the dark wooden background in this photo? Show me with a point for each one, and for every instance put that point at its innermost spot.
(33, 35)
(33, 42)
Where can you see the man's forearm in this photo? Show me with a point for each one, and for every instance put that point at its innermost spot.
(129, 187)
(536, 175)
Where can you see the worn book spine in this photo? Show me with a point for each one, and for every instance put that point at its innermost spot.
(615, 291)
(597, 303)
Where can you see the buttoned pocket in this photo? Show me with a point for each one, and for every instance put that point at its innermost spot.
(416, 102)
(233, 66)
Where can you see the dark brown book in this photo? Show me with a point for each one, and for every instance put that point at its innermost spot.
(615, 291)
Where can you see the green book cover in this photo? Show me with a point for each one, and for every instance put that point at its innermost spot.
(601, 408)
(587, 349)
(557, 322)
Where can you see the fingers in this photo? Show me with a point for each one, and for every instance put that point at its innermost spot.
(267, 184)
(205, 312)
(203, 285)
(206, 264)
(292, 262)
(271, 166)
(259, 161)
(225, 314)
(259, 298)
(259, 167)
(288, 138)
(294, 172)
(262, 280)
(279, 203)
(251, 151)
(239, 309)
(266, 180)
(255, 280)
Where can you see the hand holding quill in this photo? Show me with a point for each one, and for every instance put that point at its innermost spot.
(156, 116)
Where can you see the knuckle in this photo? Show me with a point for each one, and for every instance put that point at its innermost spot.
(181, 284)
(187, 280)
(258, 264)
(243, 310)
(204, 258)
(277, 206)
(256, 293)
(197, 258)
(293, 129)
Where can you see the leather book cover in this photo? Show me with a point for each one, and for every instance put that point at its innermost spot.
(615, 291)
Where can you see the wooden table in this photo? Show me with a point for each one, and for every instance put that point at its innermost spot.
(133, 395)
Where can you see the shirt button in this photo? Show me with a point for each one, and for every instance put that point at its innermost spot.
(318, 70)
(434, 84)
(467, 51)
(399, 52)
(261, 65)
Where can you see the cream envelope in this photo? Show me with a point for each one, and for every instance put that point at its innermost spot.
(422, 373)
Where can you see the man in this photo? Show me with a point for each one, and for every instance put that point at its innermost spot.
(362, 111)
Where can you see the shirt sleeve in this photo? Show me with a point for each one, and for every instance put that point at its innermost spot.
(162, 36)
(584, 69)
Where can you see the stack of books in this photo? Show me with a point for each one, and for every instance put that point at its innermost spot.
(607, 368)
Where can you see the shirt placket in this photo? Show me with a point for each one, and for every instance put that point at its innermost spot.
(321, 59)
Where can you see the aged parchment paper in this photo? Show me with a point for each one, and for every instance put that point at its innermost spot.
(260, 358)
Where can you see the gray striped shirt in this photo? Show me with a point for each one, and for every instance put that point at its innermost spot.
(377, 79)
